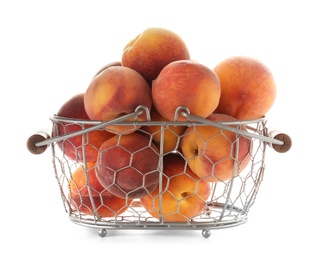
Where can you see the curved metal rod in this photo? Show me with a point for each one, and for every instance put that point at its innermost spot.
(92, 128)
(231, 129)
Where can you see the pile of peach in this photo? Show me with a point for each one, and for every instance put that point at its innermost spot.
(123, 162)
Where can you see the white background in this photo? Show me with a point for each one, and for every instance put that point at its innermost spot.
(51, 49)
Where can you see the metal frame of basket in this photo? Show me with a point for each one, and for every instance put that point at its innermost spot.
(228, 204)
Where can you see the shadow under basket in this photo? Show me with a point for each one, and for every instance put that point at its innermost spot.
(227, 203)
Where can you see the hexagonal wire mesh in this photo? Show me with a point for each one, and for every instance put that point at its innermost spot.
(119, 191)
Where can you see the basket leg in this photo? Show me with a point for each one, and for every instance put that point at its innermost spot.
(102, 232)
(206, 233)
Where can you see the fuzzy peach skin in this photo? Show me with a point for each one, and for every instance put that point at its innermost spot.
(210, 151)
(78, 181)
(183, 194)
(127, 165)
(248, 88)
(171, 133)
(115, 92)
(153, 49)
(186, 83)
(108, 65)
(105, 203)
(72, 147)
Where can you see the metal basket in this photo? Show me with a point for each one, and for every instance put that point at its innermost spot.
(229, 201)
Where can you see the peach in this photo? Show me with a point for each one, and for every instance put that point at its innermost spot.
(72, 147)
(183, 194)
(127, 165)
(171, 133)
(108, 65)
(152, 50)
(211, 152)
(115, 92)
(105, 203)
(186, 83)
(78, 182)
(248, 88)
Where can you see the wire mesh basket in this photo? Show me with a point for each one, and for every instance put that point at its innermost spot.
(155, 185)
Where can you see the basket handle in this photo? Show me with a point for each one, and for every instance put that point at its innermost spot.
(276, 139)
(38, 143)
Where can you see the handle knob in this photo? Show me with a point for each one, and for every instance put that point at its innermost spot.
(36, 138)
(278, 135)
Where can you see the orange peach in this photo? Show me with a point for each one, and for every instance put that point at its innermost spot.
(127, 165)
(248, 88)
(106, 205)
(186, 83)
(183, 195)
(72, 147)
(211, 152)
(108, 65)
(152, 50)
(171, 133)
(89, 197)
(80, 179)
(115, 92)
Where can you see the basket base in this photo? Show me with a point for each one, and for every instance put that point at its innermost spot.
(205, 227)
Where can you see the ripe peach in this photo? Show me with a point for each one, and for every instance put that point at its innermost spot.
(183, 194)
(152, 50)
(248, 88)
(211, 152)
(105, 203)
(127, 165)
(171, 133)
(114, 63)
(186, 83)
(72, 147)
(115, 92)
(78, 182)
